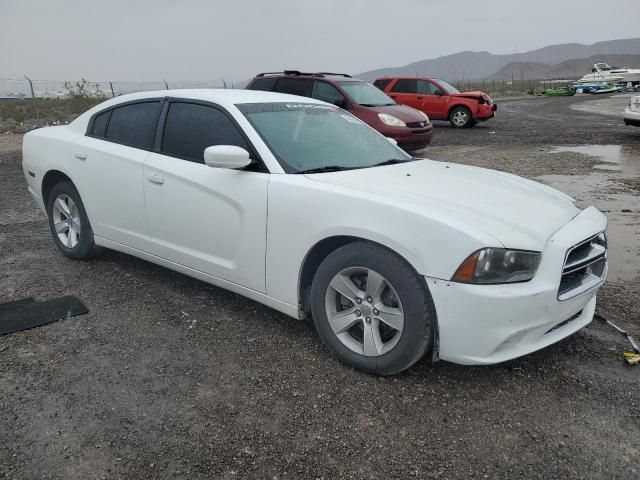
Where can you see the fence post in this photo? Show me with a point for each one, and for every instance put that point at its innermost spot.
(224, 83)
(166, 85)
(113, 94)
(35, 102)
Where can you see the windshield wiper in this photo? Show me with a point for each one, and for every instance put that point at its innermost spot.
(328, 168)
(392, 161)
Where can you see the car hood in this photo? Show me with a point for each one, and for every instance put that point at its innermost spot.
(518, 213)
(474, 95)
(403, 112)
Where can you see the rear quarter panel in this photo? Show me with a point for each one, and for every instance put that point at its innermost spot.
(43, 150)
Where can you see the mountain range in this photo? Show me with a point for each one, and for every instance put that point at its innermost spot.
(554, 61)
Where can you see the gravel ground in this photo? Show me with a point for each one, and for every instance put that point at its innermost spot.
(168, 377)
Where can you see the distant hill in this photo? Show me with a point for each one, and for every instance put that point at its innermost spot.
(479, 65)
(570, 69)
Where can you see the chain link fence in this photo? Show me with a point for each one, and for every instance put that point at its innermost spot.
(27, 103)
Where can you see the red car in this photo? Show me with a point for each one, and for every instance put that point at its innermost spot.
(409, 127)
(439, 100)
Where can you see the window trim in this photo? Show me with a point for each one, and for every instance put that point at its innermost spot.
(110, 109)
(162, 120)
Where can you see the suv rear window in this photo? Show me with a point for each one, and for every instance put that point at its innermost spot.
(294, 86)
(266, 84)
(382, 83)
(134, 124)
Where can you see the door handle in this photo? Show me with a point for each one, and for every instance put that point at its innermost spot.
(393, 96)
(155, 178)
(419, 97)
(81, 156)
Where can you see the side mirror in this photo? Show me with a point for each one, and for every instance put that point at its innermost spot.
(392, 141)
(226, 156)
(439, 93)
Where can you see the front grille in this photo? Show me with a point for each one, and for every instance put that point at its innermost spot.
(584, 267)
(418, 124)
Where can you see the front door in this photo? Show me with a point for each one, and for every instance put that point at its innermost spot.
(433, 99)
(212, 220)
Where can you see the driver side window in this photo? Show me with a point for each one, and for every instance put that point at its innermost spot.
(190, 128)
(327, 93)
(427, 88)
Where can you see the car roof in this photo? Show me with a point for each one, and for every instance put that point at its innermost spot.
(315, 76)
(408, 77)
(226, 98)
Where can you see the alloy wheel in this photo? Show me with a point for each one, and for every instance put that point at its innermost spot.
(460, 118)
(66, 220)
(364, 311)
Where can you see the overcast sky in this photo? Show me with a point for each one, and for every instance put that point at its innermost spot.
(202, 40)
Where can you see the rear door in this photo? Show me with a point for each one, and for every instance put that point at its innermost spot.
(404, 92)
(294, 86)
(212, 220)
(110, 164)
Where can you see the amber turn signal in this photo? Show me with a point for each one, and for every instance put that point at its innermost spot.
(465, 271)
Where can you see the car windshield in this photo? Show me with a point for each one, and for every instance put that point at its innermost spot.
(366, 94)
(307, 137)
(450, 88)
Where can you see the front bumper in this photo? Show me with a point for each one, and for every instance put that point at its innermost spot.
(484, 324)
(410, 139)
(631, 117)
(485, 112)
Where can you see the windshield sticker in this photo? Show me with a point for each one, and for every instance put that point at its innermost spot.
(306, 106)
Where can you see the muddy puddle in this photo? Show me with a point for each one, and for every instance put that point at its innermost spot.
(620, 203)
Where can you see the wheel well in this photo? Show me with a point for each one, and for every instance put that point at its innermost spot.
(312, 261)
(453, 107)
(316, 256)
(50, 180)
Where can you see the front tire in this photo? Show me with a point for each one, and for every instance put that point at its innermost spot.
(371, 309)
(69, 223)
(460, 117)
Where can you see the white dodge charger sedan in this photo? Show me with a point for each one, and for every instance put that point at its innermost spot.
(299, 205)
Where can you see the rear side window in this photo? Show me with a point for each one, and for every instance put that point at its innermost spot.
(404, 85)
(327, 93)
(382, 83)
(294, 86)
(100, 124)
(134, 124)
(190, 128)
(265, 84)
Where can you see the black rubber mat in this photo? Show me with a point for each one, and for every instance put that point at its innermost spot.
(29, 313)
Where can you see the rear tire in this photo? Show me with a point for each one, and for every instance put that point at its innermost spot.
(460, 117)
(69, 223)
(381, 320)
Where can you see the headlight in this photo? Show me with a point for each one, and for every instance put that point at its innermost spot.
(391, 120)
(498, 265)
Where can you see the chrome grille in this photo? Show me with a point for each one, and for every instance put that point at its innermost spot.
(584, 267)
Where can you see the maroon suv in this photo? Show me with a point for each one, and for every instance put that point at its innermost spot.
(411, 128)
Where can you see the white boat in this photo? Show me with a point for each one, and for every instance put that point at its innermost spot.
(602, 72)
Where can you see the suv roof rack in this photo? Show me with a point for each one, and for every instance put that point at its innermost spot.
(306, 74)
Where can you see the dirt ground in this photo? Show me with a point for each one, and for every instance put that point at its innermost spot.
(168, 377)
